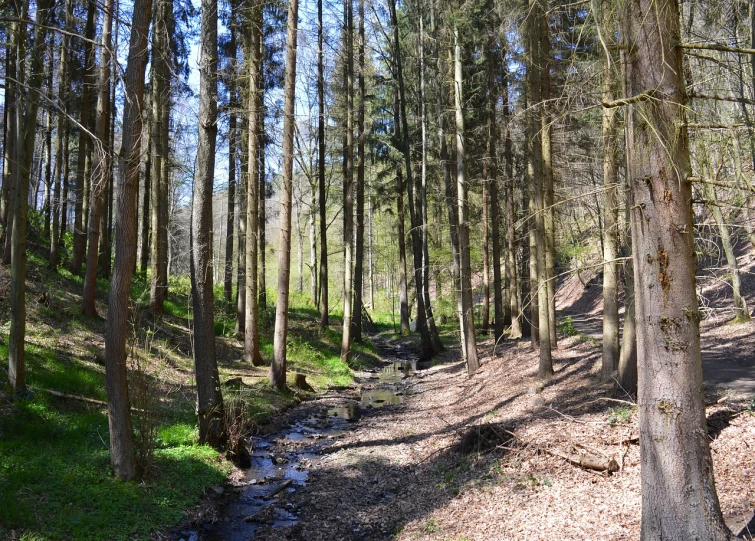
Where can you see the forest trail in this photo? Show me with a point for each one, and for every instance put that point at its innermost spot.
(468, 458)
(728, 358)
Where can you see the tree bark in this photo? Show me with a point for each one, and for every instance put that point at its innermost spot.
(26, 122)
(679, 500)
(359, 241)
(465, 275)
(348, 182)
(210, 415)
(278, 368)
(61, 131)
(230, 215)
(241, 246)
(119, 302)
(101, 173)
(161, 58)
(83, 162)
(610, 218)
(147, 186)
(321, 171)
(251, 320)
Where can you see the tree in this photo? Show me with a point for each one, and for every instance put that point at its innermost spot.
(119, 302)
(210, 414)
(278, 367)
(348, 181)
(679, 498)
(321, 171)
(465, 271)
(160, 159)
(25, 125)
(610, 217)
(251, 334)
(102, 168)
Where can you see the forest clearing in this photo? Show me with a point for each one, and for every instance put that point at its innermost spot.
(377, 269)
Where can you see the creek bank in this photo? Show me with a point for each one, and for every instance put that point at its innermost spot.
(283, 456)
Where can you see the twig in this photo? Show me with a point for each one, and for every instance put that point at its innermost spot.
(283, 486)
(587, 462)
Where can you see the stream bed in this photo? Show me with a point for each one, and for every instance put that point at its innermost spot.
(281, 460)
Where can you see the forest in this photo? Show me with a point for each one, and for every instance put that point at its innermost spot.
(371, 269)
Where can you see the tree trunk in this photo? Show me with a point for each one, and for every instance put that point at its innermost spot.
(210, 415)
(610, 218)
(679, 500)
(262, 212)
(251, 320)
(26, 122)
(147, 185)
(492, 179)
(534, 135)
(348, 182)
(465, 274)
(119, 301)
(9, 129)
(85, 143)
(321, 171)
(426, 346)
(230, 216)
(359, 241)
(101, 173)
(546, 132)
(241, 247)
(61, 130)
(422, 209)
(278, 368)
(161, 57)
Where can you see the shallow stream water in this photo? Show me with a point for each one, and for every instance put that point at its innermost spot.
(281, 461)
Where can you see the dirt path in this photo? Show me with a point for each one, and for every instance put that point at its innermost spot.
(728, 355)
(473, 458)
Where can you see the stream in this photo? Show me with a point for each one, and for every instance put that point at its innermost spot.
(281, 460)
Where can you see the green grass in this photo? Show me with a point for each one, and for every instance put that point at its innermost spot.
(55, 474)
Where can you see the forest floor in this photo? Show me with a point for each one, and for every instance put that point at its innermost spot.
(485, 457)
(481, 457)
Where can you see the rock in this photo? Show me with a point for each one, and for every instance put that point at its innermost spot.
(217, 490)
(538, 402)
(234, 382)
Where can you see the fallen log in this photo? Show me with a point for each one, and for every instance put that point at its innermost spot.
(83, 399)
(588, 462)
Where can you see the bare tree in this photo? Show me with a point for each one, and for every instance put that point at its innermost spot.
(278, 367)
(119, 301)
(209, 398)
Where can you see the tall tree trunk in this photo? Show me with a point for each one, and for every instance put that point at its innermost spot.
(278, 368)
(426, 346)
(679, 500)
(116, 381)
(62, 131)
(46, 203)
(465, 275)
(66, 175)
(627, 378)
(161, 55)
(262, 212)
(147, 188)
(424, 236)
(101, 173)
(9, 128)
(321, 171)
(546, 131)
(534, 135)
(610, 218)
(348, 182)
(210, 415)
(359, 241)
(450, 192)
(26, 122)
(83, 163)
(492, 179)
(251, 333)
(312, 241)
(230, 216)
(241, 247)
